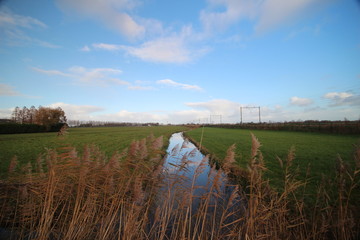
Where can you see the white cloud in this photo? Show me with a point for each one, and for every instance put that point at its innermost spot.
(105, 46)
(275, 12)
(172, 83)
(174, 117)
(77, 112)
(110, 12)
(189, 116)
(9, 19)
(300, 101)
(266, 14)
(141, 88)
(338, 95)
(169, 48)
(235, 10)
(343, 98)
(97, 75)
(205, 112)
(199, 112)
(6, 113)
(93, 76)
(228, 110)
(51, 72)
(173, 48)
(105, 77)
(141, 117)
(85, 49)
(7, 90)
(216, 105)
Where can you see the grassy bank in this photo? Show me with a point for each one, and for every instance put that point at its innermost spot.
(71, 195)
(27, 147)
(317, 151)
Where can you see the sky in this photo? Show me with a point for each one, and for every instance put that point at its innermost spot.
(182, 61)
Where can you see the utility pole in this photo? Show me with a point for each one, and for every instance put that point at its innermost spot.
(259, 115)
(241, 117)
(212, 117)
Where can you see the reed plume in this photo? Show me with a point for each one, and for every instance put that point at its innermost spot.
(130, 195)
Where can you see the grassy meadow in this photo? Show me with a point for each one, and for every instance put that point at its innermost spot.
(317, 151)
(109, 183)
(27, 147)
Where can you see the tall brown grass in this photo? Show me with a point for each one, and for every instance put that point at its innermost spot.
(68, 195)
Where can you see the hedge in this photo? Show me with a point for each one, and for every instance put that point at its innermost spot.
(335, 127)
(12, 128)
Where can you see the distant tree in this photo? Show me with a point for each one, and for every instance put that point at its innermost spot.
(21, 116)
(25, 115)
(50, 116)
(32, 112)
(45, 116)
(15, 114)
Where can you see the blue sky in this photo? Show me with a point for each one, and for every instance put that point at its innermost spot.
(182, 61)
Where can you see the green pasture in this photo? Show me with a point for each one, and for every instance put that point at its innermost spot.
(27, 147)
(316, 150)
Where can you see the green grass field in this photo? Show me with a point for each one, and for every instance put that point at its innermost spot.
(109, 139)
(318, 150)
(84, 196)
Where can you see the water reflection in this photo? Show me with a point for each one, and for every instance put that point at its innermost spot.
(186, 168)
(193, 197)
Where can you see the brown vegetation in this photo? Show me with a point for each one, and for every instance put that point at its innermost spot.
(43, 115)
(71, 196)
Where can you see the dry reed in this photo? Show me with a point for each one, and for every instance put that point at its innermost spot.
(130, 196)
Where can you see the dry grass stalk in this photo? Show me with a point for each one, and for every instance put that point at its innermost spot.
(89, 197)
(13, 164)
(229, 159)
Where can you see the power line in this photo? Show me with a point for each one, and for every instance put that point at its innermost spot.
(212, 116)
(241, 113)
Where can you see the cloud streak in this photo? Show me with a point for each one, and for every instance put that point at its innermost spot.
(214, 19)
(14, 29)
(9, 19)
(7, 90)
(163, 50)
(266, 14)
(111, 13)
(106, 46)
(222, 107)
(297, 101)
(170, 48)
(93, 76)
(342, 99)
(140, 88)
(171, 83)
(51, 72)
(77, 112)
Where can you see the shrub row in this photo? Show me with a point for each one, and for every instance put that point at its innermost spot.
(12, 128)
(338, 127)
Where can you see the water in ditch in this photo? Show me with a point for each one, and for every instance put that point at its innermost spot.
(193, 187)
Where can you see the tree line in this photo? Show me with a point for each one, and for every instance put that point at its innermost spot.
(31, 120)
(78, 123)
(42, 116)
